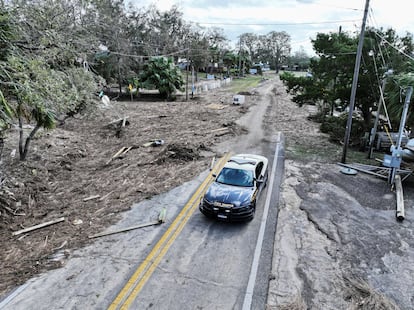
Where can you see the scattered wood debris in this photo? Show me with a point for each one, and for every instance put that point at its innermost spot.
(220, 131)
(161, 219)
(22, 231)
(118, 125)
(91, 197)
(120, 153)
(121, 121)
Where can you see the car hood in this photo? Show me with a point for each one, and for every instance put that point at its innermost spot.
(229, 194)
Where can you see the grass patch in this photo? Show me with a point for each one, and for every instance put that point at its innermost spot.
(328, 152)
(245, 83)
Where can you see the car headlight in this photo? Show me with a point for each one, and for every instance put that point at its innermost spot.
(205, 200)
(243, 204)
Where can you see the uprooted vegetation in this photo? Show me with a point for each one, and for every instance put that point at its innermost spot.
(95, 166)
(362, 296)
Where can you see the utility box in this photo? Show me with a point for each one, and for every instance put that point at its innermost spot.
(392, 161)
(238, 99)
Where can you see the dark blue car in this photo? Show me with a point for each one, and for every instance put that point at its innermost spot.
(233, 194)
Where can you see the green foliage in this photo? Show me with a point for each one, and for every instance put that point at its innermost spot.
(134, 84)
(161, 73)
(335, 127)
(273, 48)
(6, 33)
(300, 60)
(305, 90)
(40, 76)
(396, 94)
(333, 72)
(44, 117)
(6, 114)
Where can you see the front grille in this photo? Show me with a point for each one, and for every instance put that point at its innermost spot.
(223, 205)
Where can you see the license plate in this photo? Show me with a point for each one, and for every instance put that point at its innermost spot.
(221, 216)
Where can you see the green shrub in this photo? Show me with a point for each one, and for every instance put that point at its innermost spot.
(335, 126)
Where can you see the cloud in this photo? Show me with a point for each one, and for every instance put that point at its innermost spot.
(301, 19)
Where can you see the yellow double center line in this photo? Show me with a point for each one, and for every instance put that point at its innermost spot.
(134, 285)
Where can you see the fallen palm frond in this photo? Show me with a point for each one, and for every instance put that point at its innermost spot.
(361, 296)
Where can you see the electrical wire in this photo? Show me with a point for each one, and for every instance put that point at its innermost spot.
(394, 47)
(276, 24)
(383, 39)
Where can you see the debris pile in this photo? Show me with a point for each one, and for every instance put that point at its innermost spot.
(179, 152)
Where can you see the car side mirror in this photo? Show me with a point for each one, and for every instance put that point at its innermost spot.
(214, 175)
(259, 180)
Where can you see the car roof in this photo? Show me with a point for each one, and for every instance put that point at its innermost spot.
(243, 161)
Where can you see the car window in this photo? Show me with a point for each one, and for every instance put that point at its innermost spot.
(237, 177)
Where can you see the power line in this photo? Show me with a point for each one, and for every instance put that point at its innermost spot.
(383, 39)
(148, 56)
(336, 6)
(277, 24)
(394, 47)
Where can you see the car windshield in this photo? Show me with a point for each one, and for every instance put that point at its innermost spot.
(237, 177)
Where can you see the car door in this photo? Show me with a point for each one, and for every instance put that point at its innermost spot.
(259, 174)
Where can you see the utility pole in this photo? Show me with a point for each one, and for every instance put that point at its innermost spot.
(240, 56)
(374, 129)
(188, 68)
(354, 83)
(192, 81)
(394, 161)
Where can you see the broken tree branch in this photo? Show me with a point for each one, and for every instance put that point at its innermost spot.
(116, 155)
(219, 129)
(123, 119)
(161, 219)
(125, 229)
(91, 197)
(22, 231)
(105, 196)
(121, 152)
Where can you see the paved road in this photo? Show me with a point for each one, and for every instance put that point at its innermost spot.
(209, 265)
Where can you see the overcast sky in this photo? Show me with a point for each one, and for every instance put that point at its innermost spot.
(301, 19)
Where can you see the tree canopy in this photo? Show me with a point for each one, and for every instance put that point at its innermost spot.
(331, 73)
(56, 56)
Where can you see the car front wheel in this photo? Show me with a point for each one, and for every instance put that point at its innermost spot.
(253, 212)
